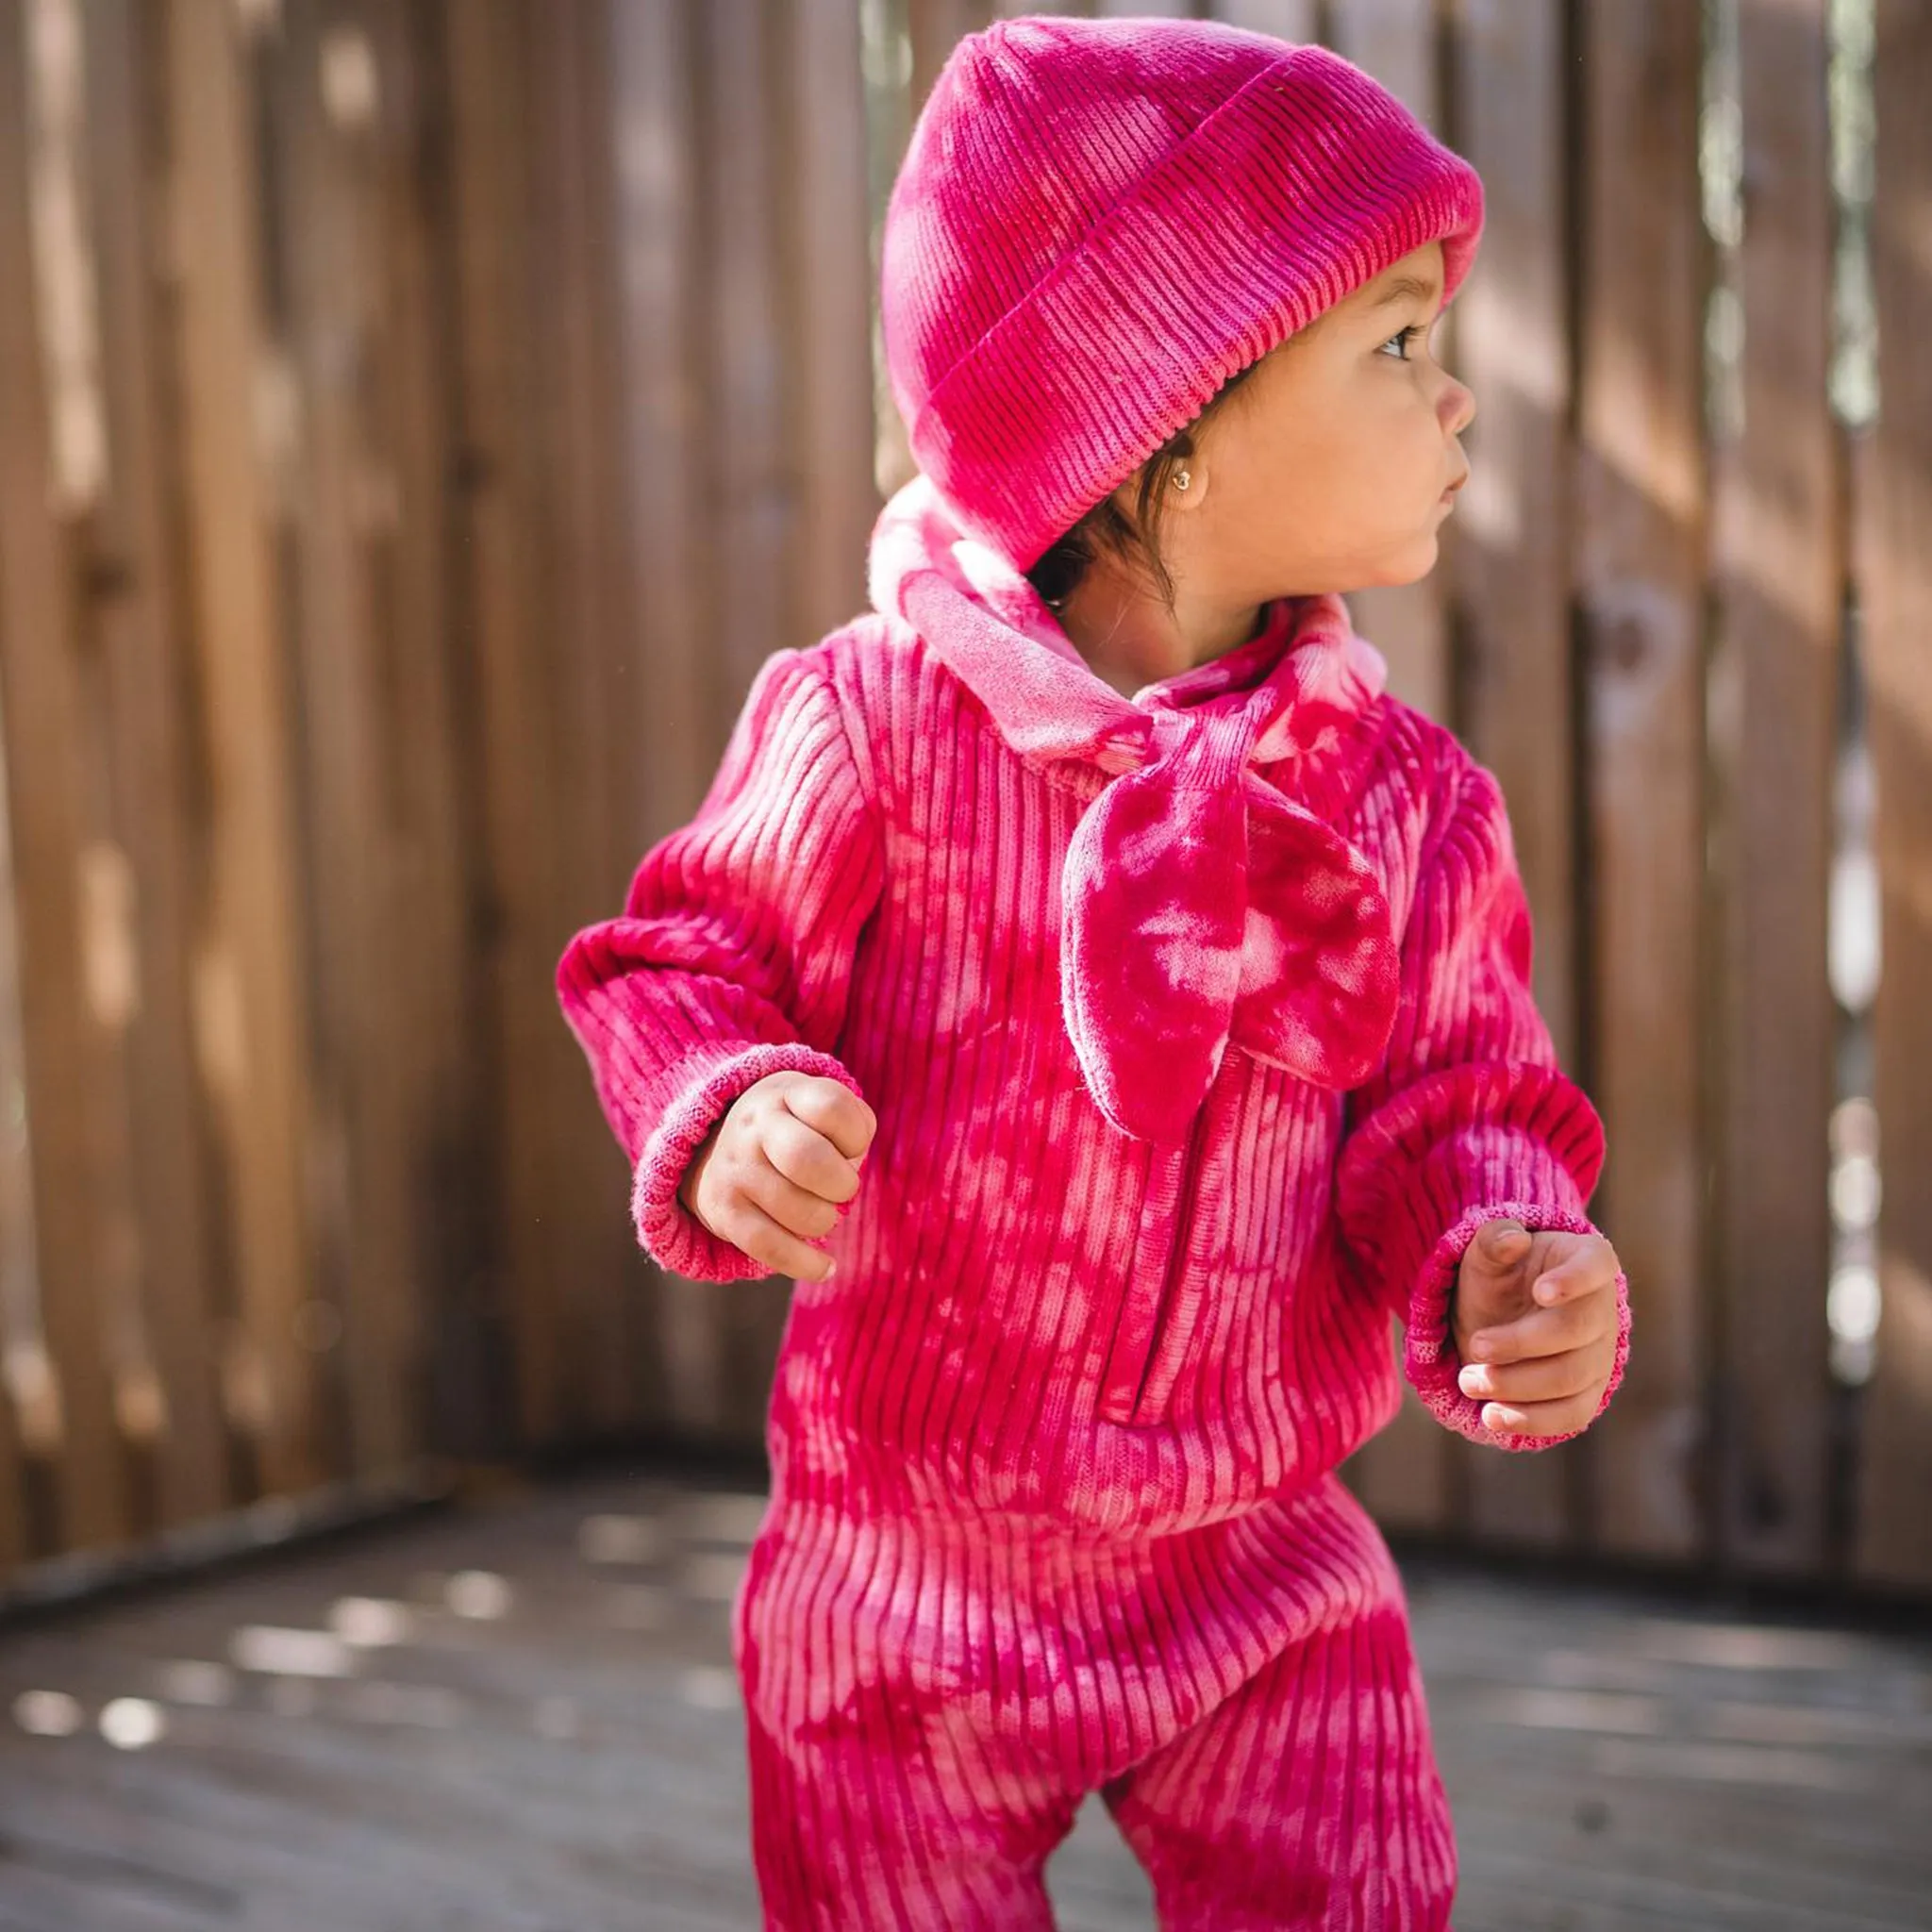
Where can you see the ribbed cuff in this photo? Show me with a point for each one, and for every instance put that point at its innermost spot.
(1487, 1160)
(674, 1236)
(1431, 1359)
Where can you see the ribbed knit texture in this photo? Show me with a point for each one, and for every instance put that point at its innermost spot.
(1098, 221)
(1054, 1504)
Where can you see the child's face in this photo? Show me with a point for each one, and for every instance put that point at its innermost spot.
(1326, 469)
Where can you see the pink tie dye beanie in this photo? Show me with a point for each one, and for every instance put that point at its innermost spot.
(1097, 222)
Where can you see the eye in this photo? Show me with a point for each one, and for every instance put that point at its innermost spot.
(1406, 336)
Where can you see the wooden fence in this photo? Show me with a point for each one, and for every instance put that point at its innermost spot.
(418, 420)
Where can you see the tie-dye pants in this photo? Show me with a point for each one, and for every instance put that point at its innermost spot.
(927, 1704)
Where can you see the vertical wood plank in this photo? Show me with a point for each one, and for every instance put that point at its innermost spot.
(1639, 563)
(251, 1025)
(250, 982)
(61, 1402)
(134, 609)
(1894, 513)
(66, 304)
(590, 591)
(828, 286)
(1507, 564)
(1780, 563)
(664, 695)
(408, 418)
(500, 604)
(361, 1288)
(68, 1054)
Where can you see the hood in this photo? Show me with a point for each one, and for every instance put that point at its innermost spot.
(1201, 903)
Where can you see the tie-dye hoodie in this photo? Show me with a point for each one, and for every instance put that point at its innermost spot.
(1198, 1028)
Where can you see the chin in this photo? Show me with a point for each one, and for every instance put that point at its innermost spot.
(1413, 565)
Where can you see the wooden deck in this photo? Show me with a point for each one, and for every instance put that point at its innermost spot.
(521, 1717)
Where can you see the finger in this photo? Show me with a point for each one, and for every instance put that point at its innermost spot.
(836, 1112)
(803, 1154)
(796, 1210)
(1591, 1266)
(1549, 1378)
(1502, 1243)
(1546, 1331)
(1540, 1418)
(760, 1237)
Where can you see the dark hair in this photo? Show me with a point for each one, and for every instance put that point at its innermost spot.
(1106, 527)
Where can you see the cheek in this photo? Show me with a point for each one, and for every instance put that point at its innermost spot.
(1308, 462)
(1342, 485)
(1395, 467)
(1341, 459)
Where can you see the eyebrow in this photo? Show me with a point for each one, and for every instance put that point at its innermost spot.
(1405, 285)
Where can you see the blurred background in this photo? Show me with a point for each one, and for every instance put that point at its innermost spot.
(418, 421)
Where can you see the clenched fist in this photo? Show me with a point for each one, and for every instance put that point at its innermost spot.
(772, 1174)
(1535, 1320)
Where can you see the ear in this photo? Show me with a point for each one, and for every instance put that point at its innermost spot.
(1126, 494)
(1181, 501)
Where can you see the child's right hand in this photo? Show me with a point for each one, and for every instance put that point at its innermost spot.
(771, 1174)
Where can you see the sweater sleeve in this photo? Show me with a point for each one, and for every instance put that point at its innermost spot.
(1469, 1117)
(732, 957)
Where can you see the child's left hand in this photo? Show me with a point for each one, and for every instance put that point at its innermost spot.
(1533, 1316)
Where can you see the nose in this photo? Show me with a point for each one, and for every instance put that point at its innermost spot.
(1461, 406)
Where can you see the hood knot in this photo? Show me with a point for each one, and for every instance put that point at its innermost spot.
(1200, 905)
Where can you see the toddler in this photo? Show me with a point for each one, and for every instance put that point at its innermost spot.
(1109, 1006)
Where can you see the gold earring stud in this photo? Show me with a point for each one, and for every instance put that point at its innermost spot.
(1180, 480)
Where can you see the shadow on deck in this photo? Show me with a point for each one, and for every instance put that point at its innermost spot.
(522, 1716)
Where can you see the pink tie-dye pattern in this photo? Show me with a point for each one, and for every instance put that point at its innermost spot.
(1199, 1031)
(1200, 905)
